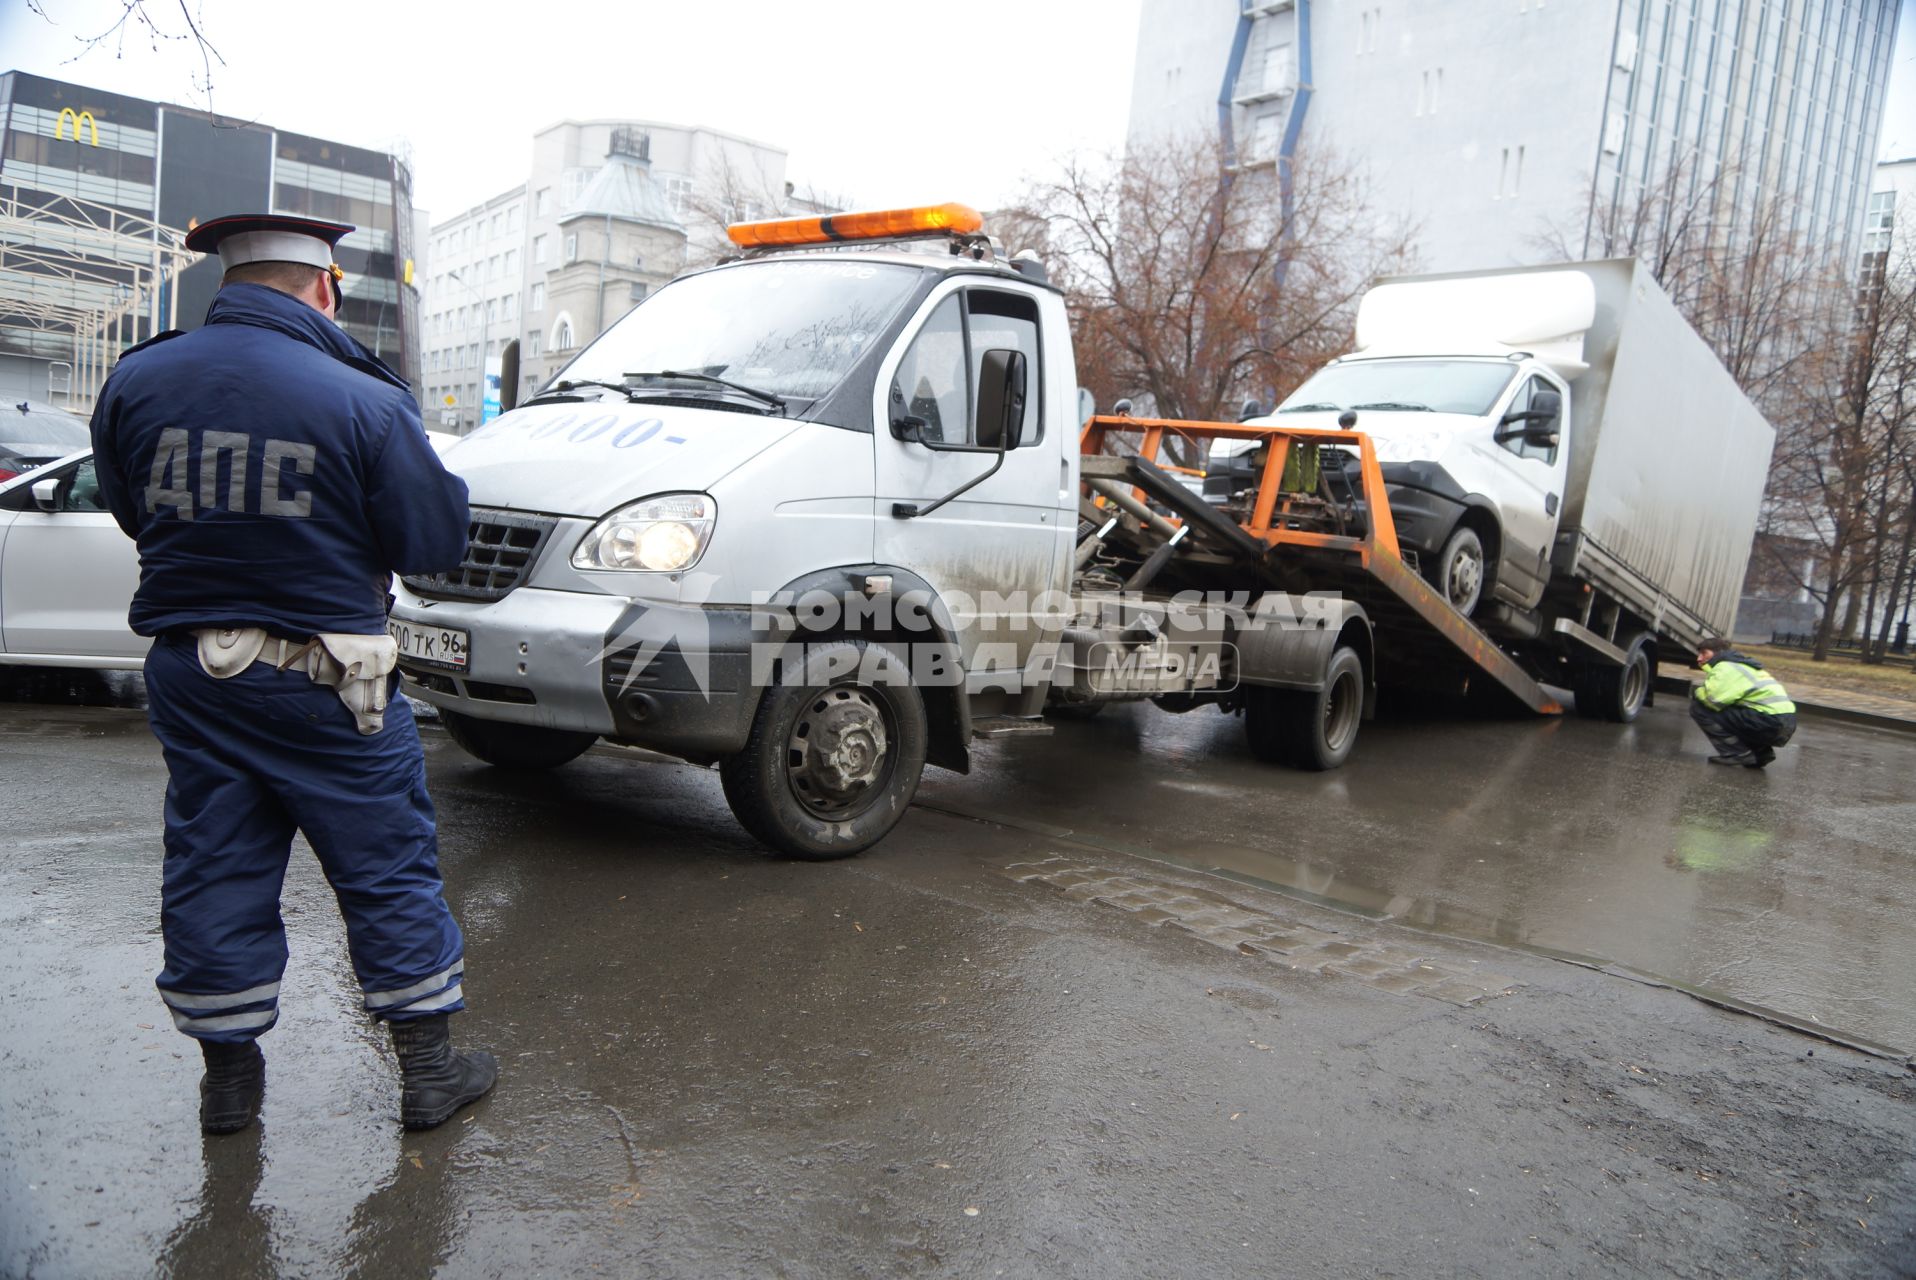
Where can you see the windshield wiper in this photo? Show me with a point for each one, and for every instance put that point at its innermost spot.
(765, 397)
(1318, 407)
(1406, 406)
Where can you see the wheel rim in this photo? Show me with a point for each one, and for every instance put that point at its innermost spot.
(1466, 576)
(838, 755)
(1636, 678)
(1342, 709)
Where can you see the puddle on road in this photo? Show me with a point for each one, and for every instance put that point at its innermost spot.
(1613, 845)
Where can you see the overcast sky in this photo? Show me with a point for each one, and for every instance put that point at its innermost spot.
(884, 101)
(880, 101)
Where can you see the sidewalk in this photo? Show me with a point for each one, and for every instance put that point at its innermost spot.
(1814, 700)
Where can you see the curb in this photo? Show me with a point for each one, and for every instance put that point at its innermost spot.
(1815, 710)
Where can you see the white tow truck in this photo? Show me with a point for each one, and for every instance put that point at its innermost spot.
(825, 513)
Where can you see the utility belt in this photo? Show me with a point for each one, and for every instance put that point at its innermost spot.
(355, 667)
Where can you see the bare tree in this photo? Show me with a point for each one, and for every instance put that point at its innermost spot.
(1845, 465)
(1189, 285)
(156, 23)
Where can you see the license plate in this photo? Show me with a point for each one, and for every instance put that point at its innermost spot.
(440, 646)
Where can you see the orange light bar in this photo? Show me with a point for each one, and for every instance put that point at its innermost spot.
(875, 224)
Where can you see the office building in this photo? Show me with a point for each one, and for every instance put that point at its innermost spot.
(1500, 125)
(98, 190)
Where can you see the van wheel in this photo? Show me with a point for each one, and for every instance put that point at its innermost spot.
(1617, 694)
(514, 746)
(834, 754)
(1306, 729)
(1461, 569)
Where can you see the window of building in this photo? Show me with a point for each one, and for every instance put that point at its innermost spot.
(1279, 70)
(538, 250)
(538, 297)
(562, 334)
(532, 342)
(1510, 173)
(492, 311)
(542, 202)
(678, 192)
(492, 267)
(512, 262)
(638, 291)
(512, 218)
(498, 225)
(572, 246)
(1264, 138)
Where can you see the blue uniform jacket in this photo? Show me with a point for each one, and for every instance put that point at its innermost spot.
(273, 472)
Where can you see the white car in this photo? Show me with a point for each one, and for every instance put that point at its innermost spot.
(67, 573)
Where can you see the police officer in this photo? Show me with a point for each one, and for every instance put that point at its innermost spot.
(275, 474)
(1741, 708)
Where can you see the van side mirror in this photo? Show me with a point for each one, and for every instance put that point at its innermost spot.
(1001, 399)
(509, 377)
(1538, 424)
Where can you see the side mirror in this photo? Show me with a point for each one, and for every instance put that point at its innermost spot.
(1545, 406)
(46, 494)
(509, 377)
(1001, 399)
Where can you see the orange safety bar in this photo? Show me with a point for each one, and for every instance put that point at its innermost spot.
(1267, 521)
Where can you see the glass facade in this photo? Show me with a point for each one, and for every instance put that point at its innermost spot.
(1729, 104)
(178, 166)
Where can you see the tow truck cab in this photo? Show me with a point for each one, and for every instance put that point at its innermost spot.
(889, 433)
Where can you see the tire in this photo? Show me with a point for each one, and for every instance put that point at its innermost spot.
(1461, 571)
(802, 803)
(515, 746)
(1314, 730)
(1617, 694)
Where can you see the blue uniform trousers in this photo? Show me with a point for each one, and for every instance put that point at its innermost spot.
(251, 759)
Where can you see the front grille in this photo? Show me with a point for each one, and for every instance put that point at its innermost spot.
(501, 547)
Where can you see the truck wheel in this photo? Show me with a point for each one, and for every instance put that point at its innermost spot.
(1306, 729)
(515, 746)
(834, 755)
(1460, 570)
(1617, 694)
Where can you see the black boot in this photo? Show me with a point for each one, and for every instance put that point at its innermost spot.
(438, 1079)
(231, 1088)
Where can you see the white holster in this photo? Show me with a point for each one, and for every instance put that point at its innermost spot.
(355, 667)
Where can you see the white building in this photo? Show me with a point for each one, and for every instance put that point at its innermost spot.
(610, 210)
(1493, 123)
(1891, 220)
(474, 275)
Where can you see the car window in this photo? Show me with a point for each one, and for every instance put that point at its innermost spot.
(1526, 395)
(931, 383)
(81, 490)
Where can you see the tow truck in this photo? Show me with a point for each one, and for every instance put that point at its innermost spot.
(830, 512)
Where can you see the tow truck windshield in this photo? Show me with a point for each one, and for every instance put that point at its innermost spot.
(1405, 386)
(765, 331)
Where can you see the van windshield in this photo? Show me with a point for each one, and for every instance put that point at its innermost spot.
(788, 328)
(1439, 386)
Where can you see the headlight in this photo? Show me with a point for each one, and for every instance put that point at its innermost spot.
(1409, 446)
(655, 535)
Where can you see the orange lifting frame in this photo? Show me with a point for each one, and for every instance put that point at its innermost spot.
(1267, 516)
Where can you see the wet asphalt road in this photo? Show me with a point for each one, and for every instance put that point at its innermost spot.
(959, 1055)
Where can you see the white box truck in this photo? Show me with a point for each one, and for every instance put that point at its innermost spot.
(1565, 459)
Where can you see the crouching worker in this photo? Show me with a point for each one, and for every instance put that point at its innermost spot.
(274, 475)
(1740, 707)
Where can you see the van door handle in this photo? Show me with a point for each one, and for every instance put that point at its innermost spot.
(1550, 504)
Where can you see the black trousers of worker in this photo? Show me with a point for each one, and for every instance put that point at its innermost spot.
(1739, 731)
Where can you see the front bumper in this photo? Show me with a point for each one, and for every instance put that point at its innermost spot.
(1425, 504)
(667, 677)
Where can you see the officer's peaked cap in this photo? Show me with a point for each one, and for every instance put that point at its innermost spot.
(267, 237)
